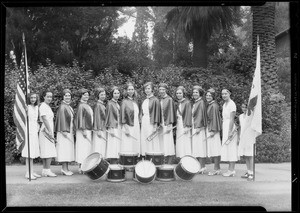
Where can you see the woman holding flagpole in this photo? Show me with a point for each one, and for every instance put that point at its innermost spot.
(130, 121)
(214, 126)
(168, 119)
(46, 136)
(113, 125)
(32, 111)
(199, 123)
(83, 125)
(64, 133)
(245, 147)
(100, 134)
(151, 119)
(184, 124)
(229, 150)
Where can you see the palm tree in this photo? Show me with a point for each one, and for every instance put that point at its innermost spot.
(198, 24)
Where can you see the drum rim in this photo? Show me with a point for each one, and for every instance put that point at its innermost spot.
(127, 154)
(153, 178)
(97, 162)
(181, 178)
(166, 180)
(160, 153)
(120, 167)
(184, 168)
(162, 167)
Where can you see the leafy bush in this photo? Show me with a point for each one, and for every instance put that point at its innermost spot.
(284, 77)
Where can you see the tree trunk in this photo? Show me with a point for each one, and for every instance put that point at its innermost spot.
(264, 27)
(199, 49)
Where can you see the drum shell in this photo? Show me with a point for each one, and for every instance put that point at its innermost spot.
(182, 173)
(165, 174)
(128, 160)
(97, 172)
(157, 159)
(116, 175)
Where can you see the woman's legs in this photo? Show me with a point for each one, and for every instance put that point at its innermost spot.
(202, 162)
(216, 162)
(231, 165)
(65, 166)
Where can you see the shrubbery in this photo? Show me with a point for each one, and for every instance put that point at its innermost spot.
(74, 77)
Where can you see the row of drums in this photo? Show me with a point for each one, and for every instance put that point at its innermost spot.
(144, 171)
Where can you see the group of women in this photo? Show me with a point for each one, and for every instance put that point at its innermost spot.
(112, 128)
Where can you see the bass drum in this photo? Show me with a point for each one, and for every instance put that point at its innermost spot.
(187, 168)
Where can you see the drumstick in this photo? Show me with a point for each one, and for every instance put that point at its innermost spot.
(100, 135)
(114, 135)
(130, 136)
(170, 130)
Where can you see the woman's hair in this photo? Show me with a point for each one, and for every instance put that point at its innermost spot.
(147, 84)
(182, 89)
(83, 91)
(199, 89)
(113, 89)
(126, 88)
(37, 98)
(98, 91)
(65, 91)
(212, 92)
(44, 94)
(164, 85)
(227, 90)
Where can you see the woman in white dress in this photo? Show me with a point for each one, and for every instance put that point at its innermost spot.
(214, 126)
(130, 121)
(64, 132)
(245, 145)
(229, 150)
(47, 144)
(184, 124)
(100, 134)
(32, 111)
(168, 113)
(199, 143)
(83, 125)
(113, 125)
(151, 119)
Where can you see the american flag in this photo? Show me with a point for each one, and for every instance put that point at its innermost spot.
(20, 117)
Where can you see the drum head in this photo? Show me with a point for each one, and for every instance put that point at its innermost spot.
(91, 162)
(154, 153)
(115, 167)
(128, 154)
(145, 169)
(190, 164)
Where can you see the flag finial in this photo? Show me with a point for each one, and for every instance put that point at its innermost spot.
(257, 40)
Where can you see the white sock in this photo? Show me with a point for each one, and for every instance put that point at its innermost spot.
(250, 172)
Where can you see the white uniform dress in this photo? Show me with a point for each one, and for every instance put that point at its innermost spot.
(129, 144)
(65, 147)
(99, 144)
(34, 146)
(113, 143)
(166, 141)
(84, 145)
(183, 144)
(245, 148)
(146, 130)
(47, 148)
(198, 141)
(213, 144)
(228, 152)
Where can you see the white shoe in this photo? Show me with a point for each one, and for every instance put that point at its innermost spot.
(203, 170)
(229, 174)
(67, 173)
(32, 177)
(215, 172)
(36, 175)
(48, 173)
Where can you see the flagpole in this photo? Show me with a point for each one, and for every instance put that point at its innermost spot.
(26, 94)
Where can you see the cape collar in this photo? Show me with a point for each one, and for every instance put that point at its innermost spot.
(65, 102)
(180, 101)
(81, 101)
(150, 96)
(211, 102)
(114, 100)
(101, 102)
(198, 99)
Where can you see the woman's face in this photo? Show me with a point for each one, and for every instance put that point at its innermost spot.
(225, 95)
(162, 91)
(48, 97)
(196, 94)
(179, 94)
(85, 97)
(208, 97)
(102, 96)
(130, 91)
(116, 94)
(67, 97)
(33, 99)
(148, 90)
(244, 108)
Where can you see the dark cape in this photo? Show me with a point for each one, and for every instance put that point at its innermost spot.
(168, 110)
(214, 122)
(99, 116)
(112, 111)
(186, 112)
(83, 118)
(154, 111)
(63, 118)
(200, 114)
(127, 112)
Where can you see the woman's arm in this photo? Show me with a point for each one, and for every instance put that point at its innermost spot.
(47, 125)
(231, 123)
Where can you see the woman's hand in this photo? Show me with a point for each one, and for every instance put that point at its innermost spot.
(126, 130)
(84, 133)
(65, 134)
(169, 128)
(198, 131)
(186, 130)
(99, 134)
